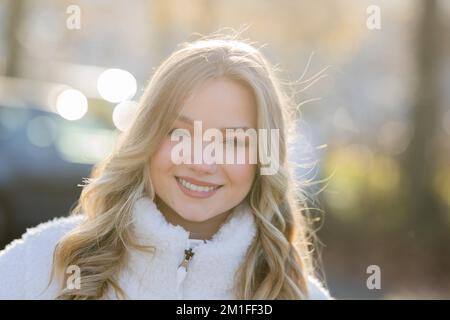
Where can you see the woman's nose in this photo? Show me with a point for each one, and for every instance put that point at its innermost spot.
(201, 162)
(203, 168)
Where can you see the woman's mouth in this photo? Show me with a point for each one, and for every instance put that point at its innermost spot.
(196, 189)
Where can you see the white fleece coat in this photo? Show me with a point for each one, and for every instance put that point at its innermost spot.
(25, 264)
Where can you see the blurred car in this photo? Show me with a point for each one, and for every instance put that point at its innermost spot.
(37, 179)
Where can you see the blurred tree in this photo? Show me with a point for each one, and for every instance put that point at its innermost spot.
(14, 18)
(161, 22)
(426, 215)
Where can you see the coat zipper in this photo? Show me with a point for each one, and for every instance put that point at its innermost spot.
(183, 268)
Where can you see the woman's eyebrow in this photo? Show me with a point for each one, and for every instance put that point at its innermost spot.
(185, 119)
(191, 122)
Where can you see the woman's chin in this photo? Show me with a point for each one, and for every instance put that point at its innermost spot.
(193, 215)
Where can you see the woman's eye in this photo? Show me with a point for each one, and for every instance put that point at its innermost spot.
(236, 142)
(229, 141)
(180, 132)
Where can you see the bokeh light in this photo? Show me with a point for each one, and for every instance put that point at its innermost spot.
(123, 114)
(71, 104)
(42, 131)
(116, 85)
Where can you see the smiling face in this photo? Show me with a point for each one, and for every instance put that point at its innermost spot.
(198, 192)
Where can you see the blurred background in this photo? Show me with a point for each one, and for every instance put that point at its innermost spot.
(373, 88)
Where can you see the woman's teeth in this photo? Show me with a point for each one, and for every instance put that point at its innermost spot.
(194, 187)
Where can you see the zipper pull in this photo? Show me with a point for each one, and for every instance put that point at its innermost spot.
(182, 269)
(188, 254)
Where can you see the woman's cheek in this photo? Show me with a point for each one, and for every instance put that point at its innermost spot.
(240, 174)
(163, 155)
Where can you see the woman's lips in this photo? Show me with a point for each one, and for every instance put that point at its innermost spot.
(196, 189)
(198, 182)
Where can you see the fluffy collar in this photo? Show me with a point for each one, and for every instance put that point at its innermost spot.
(151, 226)
(26, 263)
(211, 270)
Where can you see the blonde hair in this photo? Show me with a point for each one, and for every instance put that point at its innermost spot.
(278, 261)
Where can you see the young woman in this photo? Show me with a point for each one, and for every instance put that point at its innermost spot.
(149, 227)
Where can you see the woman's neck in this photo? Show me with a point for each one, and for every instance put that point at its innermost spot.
(198, 230)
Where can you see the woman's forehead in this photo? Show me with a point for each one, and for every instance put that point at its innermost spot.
(221, 103)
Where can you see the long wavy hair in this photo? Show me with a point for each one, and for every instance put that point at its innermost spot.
(279, 259)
